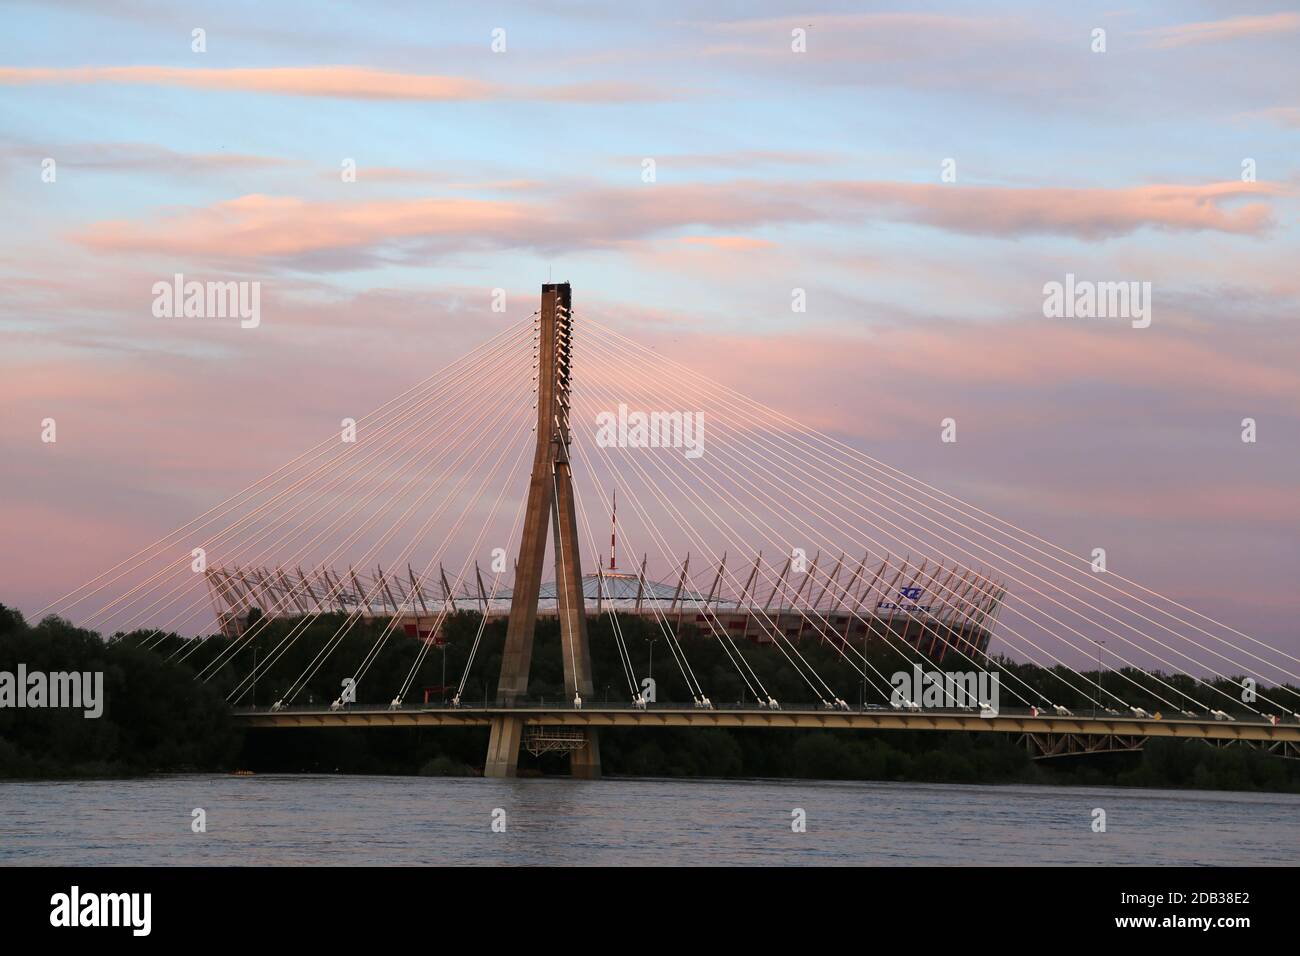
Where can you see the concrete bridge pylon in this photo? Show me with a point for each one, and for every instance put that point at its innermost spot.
(550, 503)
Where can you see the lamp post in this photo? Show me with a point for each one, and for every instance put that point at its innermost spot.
(443, 647)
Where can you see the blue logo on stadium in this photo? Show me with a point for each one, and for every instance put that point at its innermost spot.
(910, 594)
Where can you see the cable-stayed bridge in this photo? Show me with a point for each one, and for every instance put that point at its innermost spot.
(804, 571)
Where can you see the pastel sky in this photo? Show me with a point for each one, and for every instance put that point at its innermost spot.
(775, 170)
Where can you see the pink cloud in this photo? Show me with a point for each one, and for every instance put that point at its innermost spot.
(729, 243)
(1051, 352)
(1088, 213)
(1217, 31)
(1288, 116)
(398, 174)
(258, 225)
(1008, 360)
(352, 82)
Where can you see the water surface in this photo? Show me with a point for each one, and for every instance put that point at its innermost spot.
(355, 820)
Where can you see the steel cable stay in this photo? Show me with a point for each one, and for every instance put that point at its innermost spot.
(1116, 698)
(326, 467)
(1168, 703)
(624, 656)
(510, 541)
(423, 416)
(459, 417)
(364, 598)
(805, 473)
(1068, 609)
(345, 628)
(333, 589)
(1120, 637)
(560, 586)
(727, 642)
(1107, 580)
(466, 418)
(381, 641)
(876, 545)
(731, 651)
(505, 403)
(651, 530)
(679, 655)
(818, 627)
(778, 634)
(94, 586)
(823, 624)
(478, 540)
(482, 624)
(366, 456)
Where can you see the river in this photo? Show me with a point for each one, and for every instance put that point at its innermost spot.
(353, 820)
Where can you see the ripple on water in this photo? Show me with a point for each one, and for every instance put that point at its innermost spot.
(351, 820)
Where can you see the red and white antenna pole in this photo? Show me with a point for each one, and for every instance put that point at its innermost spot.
(613, 530)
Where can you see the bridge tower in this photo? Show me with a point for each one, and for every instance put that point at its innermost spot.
(550, 501)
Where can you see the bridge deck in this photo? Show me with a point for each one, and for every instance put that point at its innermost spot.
(675, 716)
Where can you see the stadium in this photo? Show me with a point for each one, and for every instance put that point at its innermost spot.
(933, 607)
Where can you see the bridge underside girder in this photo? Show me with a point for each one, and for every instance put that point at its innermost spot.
(1045, 746)
(665, 716)
(1278, 748)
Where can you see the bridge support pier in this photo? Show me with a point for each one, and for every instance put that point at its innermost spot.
(503, 747)
(584, 762)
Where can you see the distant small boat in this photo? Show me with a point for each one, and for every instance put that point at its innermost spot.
(242, 773)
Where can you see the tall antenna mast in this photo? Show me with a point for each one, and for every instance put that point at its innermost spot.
(613, 532)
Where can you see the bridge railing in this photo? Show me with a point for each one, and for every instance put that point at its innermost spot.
(554, 704)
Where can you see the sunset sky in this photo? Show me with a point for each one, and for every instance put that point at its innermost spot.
(774, 171)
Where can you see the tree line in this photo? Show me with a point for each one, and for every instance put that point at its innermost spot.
(160, 717)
